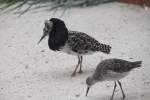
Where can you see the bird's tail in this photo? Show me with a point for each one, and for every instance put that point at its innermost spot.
(104, 48)
(136, 64)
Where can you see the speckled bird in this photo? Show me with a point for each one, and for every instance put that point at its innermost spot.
(71, 42)
(112, 70)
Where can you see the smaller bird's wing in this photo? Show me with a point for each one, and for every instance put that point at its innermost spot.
(113, 68)
(120, 66)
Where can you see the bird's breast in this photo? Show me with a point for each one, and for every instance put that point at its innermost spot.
(67, 49)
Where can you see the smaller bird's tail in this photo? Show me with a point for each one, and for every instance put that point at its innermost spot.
(104, 48)
(136, 64)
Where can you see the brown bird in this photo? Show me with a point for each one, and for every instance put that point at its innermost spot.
(112, 70)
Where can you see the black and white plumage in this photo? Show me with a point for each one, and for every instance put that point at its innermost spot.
(112, 70)
(71, 42)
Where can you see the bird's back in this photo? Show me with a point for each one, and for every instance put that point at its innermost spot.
(83, 43)
(119, 65)
(115, 66)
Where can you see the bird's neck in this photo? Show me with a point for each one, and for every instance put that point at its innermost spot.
(98, 77)
(58, 38)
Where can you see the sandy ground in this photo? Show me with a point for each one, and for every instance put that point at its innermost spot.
(33, 72)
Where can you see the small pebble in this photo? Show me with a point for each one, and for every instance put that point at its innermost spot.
(142, 95)
(42, 50)
(26, 67)
(46, 62)
(146, 82)
(77, 95)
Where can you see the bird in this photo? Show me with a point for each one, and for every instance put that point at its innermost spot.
(112, 69)
(71, 42)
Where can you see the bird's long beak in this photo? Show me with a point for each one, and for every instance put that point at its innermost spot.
(47, 28)
(41, 38)
(88, 88)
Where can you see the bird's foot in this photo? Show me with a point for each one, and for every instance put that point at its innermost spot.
(111, 98)
(123, 98)
(80, 71)
(73, 74)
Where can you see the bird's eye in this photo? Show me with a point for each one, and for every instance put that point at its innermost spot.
(45, 29)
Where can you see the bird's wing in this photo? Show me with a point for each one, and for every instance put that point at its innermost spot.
(83, 42)
(119, 65)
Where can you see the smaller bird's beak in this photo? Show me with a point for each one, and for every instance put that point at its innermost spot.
(88, 88)
(41, 38)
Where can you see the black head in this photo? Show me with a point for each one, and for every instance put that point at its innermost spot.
(57, 23)
(57, 31)
(48, 26)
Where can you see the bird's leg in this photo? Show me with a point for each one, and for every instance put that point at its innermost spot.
(121, 90)
(113, 91)
(73, 74)
(80, 70)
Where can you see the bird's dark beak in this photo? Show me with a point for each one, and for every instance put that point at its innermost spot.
(88, 88)
(47, 28)
(41, 38)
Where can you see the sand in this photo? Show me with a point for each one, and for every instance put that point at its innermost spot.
(33, 72)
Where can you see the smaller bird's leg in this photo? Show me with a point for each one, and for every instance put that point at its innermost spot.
(121, 90)
(73, 74)
(113, 91)
(80, 70)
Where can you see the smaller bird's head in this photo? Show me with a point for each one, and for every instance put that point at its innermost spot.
(52, 25)
(90, 81)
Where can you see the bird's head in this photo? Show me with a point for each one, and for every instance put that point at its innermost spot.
(51, 26)
(89, 81)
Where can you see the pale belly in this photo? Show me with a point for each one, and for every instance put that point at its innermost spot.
(114, 76)
(68, 50)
